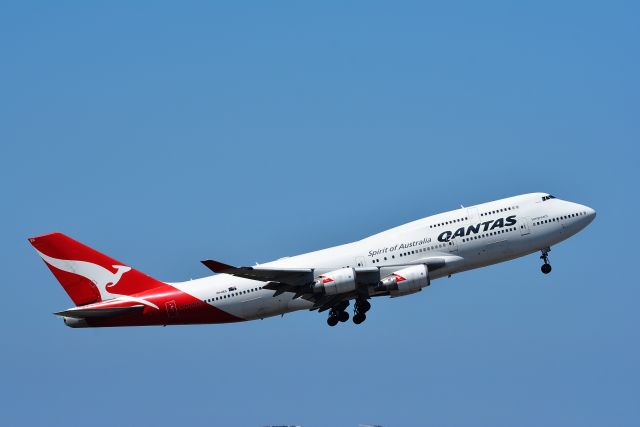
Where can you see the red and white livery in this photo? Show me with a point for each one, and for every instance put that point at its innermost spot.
(397, 262)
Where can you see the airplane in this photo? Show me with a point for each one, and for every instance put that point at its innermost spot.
(397, 262)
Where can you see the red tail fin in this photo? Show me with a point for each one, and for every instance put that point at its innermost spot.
(87, 275)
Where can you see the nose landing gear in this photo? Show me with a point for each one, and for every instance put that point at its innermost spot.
(546, 267)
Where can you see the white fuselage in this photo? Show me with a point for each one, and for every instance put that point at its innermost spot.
(464, 238)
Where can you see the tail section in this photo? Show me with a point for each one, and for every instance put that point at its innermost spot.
(87, 275)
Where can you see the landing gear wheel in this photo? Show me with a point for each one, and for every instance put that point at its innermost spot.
(359, 318)
(343, 316)
(332, 321)
(362, 306)
(546, 267)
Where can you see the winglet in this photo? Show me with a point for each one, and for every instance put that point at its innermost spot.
(216, 266)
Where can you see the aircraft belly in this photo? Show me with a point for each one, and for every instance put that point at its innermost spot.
(261, 306)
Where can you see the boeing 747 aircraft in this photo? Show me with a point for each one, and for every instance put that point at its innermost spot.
(397, 262)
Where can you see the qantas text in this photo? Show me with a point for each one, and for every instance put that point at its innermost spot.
(478, 228)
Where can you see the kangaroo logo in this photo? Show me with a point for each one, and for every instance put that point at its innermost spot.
(103, 279)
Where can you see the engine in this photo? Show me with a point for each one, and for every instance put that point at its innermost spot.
(335, 282)
(406, 281)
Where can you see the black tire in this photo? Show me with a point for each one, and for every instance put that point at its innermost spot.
(359, 318)
(343, 316)
(332, 321)
(364, 306)
(546, 268)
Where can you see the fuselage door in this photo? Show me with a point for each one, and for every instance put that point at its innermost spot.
(360, 261)
(172, 309)
(525, 226)
(452, 246)
(473, 215)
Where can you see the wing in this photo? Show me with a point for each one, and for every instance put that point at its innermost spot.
(297, 280)
(295, 277)
(291, 276)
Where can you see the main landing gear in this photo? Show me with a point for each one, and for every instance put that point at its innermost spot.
(546, 267)
(338, 314)
(359, 310)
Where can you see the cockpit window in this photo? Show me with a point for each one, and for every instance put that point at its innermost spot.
(547, 197)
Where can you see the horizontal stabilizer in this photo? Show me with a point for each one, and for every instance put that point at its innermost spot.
(99, 313)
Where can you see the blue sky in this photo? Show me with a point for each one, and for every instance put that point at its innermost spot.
(164, 133)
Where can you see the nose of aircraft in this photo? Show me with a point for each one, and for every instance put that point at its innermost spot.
(583, 219)
(591, 213)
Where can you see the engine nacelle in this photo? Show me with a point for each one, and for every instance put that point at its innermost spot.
(406, 281)
(335, 282)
